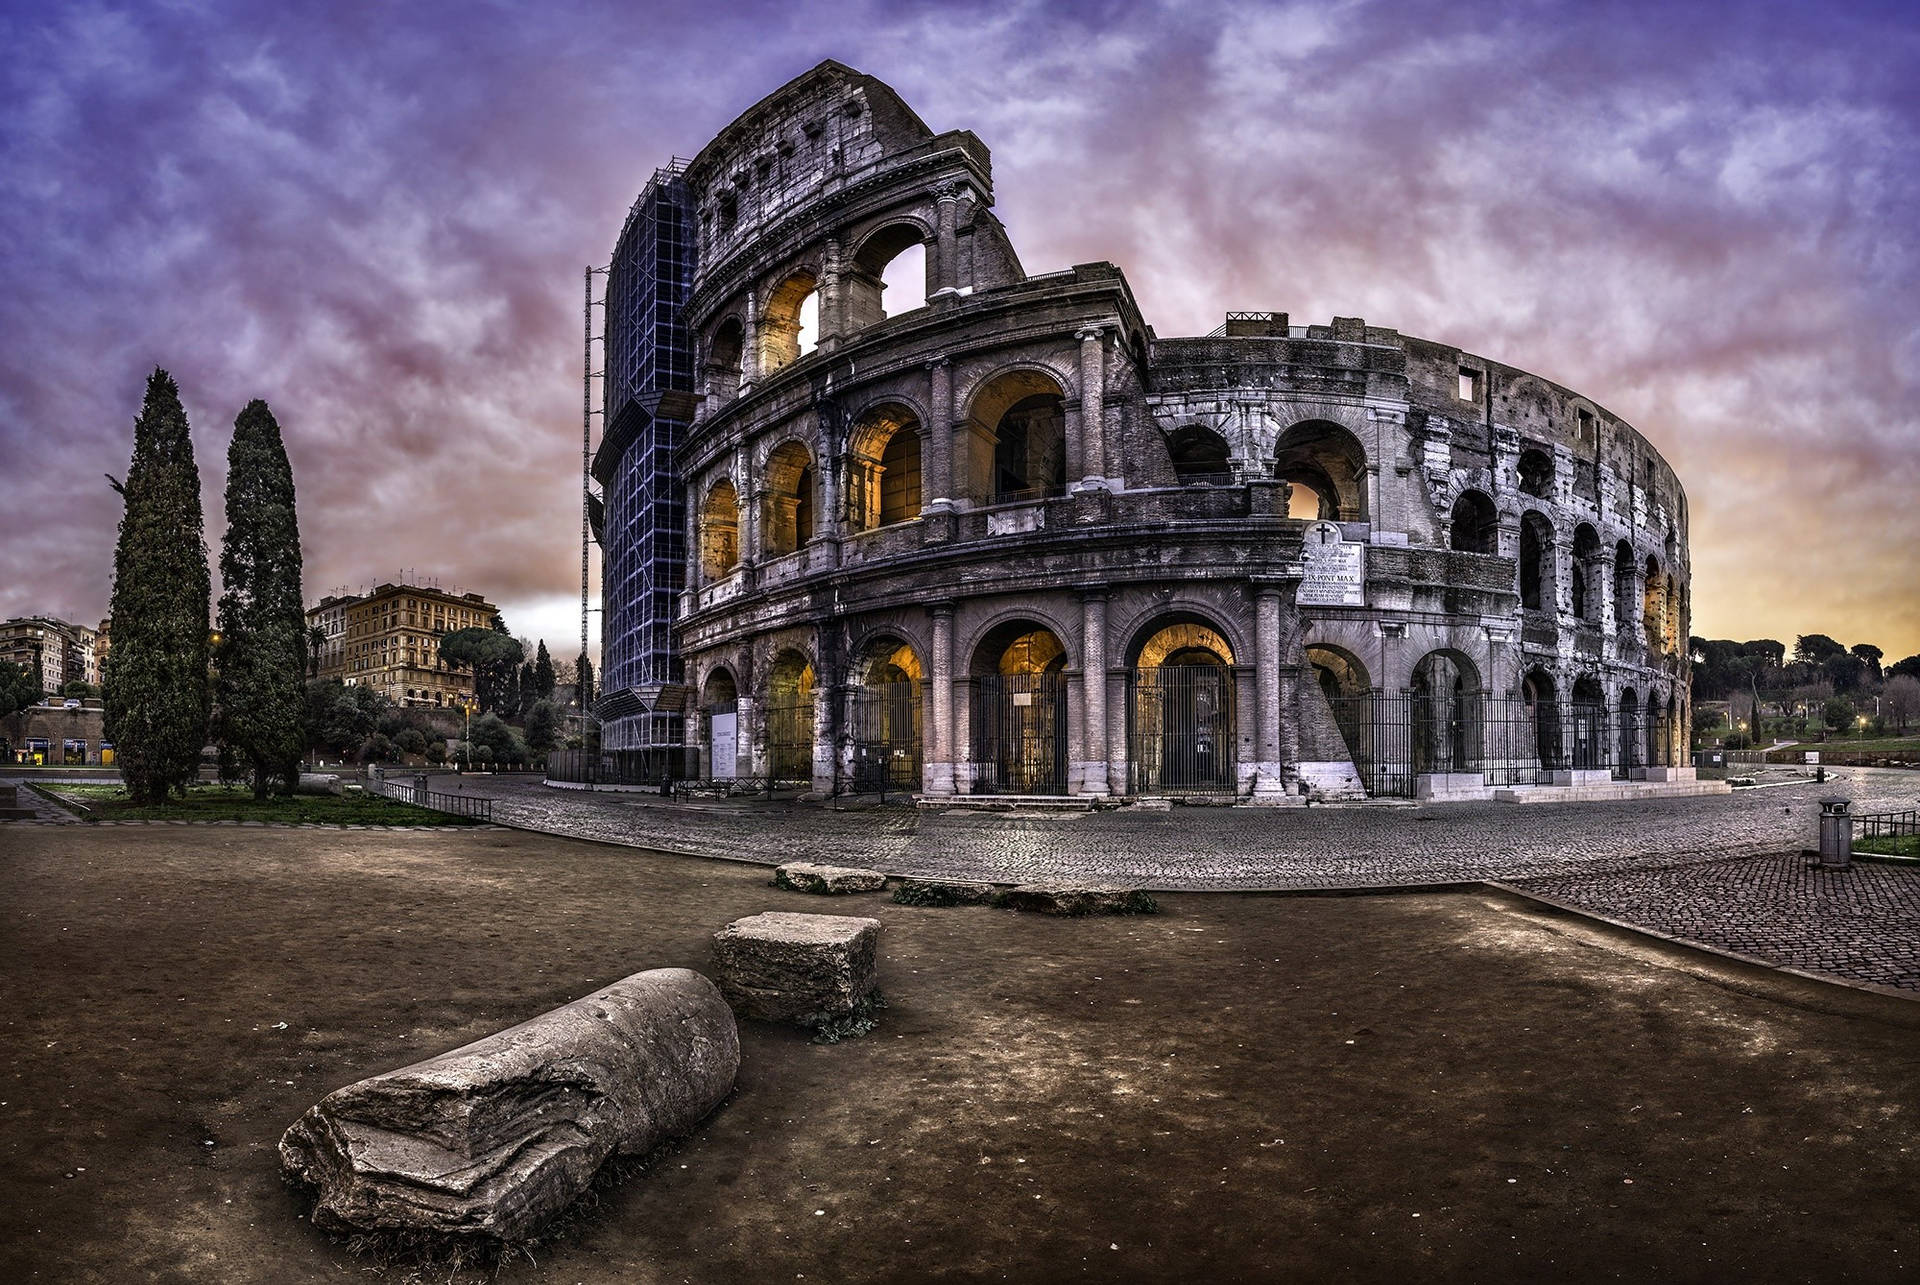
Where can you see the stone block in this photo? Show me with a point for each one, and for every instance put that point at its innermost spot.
(785, 967)
(494, 1138)
(940, 892)
(1075, 899)
(832, 881)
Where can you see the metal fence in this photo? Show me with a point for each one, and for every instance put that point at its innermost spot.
(883, 722)
(1394, 738)
(1886, 825)
(790, 742)
(1180, 729)
(1020, 734)
(660, 767)
(415, 791)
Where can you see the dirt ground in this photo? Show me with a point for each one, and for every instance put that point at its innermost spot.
(1426, 1086)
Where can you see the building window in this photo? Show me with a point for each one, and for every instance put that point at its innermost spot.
(1469, 385)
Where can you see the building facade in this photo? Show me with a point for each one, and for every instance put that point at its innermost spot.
(1012, 541)
(390, 640)
(59, 651)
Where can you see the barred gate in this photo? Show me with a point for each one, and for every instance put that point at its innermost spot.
(1378, 729)
(1020, 734)
(1181, 729)
(884, 720)
(790, 743)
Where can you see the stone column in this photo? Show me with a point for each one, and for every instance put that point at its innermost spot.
(1093, 666)
(832, 322)
(939, 747)
(946, 255)
(1093, 401)
(1268, 696)
(750, 343)
(824, 695)
(936, 473)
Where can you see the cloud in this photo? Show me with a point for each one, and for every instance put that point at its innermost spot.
(377, 219)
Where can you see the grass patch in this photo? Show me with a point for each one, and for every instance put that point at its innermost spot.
(236, 803)
(1889, 845)
(1881, 745)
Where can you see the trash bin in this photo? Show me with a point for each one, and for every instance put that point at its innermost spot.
(1836, 833)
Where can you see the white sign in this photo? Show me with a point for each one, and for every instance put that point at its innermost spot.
(1335, 571)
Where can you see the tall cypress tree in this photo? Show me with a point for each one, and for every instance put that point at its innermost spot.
(157, 690)
(542, 674)
(261, 660)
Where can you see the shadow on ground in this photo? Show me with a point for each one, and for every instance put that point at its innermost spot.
(1439, 1086)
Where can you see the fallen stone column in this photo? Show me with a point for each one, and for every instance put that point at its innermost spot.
(492, 1139)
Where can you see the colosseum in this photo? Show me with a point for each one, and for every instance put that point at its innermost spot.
(999, 537)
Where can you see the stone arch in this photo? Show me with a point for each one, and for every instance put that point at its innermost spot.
(1201, 457)
(1538, 585)
(1475, 524)
(726, 347)
(1327, 466)
(1447, 714)
(1535, 469)
(1339, 671)
(1181, 735)
(884, 720)
(1018, 711)
(865, 277)
(789, 716)
(790, 503)
(883, 466)
(1016, 448)
(719, 530)
(779, 340)
(1624, 592)
(1586, 570)
(1539, 695)
(1589, 724)
(720, 702)
(1630, 729)
(1653, 606)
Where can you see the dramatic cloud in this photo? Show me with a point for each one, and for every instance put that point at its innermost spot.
(377, 217)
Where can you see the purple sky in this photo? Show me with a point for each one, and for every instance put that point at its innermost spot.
(375, 216)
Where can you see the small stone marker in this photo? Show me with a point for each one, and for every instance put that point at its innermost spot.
(1072, 899)
(940, 892)
(785, 967)
(832, 881)
(494, 1138)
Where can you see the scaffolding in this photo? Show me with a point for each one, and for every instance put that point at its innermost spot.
(647, 357)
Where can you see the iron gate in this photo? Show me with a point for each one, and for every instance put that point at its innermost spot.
(1020, 734)
(790, 742)
(1378, 730)
(884, 719)
(1180, 729)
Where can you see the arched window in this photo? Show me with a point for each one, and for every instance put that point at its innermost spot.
(720, 531)
(1327, 467)
(1587, 572)
(790, 500)
(1653, 606)
(1624, 589)
(1538, 590)
(1018, 449)
(789, 326)
(1200, 456)
(1476, 526)
(883, 477)
(888, 276)
(723, 360)
(1536, 473)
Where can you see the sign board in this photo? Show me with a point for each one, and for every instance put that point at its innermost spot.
(723, 745)
(1335, 569)
(1813, 757)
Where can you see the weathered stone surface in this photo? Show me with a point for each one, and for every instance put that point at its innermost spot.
(319, 783)
(788, 967)
(937, 892)
(1076, 899)
(805, 876)
(494, 1138)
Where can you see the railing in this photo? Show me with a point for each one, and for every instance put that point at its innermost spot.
(1829, 757)
(474, 806)
(1886, 825)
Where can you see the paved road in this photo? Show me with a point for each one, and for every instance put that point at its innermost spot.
(1716, 870)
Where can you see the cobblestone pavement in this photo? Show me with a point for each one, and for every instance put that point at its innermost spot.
(1862, 923)
(1709, 870)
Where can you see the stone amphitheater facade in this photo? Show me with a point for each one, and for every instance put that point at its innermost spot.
(1011, 541)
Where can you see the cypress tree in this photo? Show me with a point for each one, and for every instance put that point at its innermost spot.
(542, 674)
(584, 677)
(157, 690)
(261, 659)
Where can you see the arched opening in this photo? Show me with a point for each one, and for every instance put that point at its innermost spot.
(1017, 449)
(1537, 587)
(1586, 573)
(1322, 458)
(1674, 735)
(789, 325)
(1541, 700)
(1180, 709)
(1653, 607)
(1476, 525)
(1670, 619)
(789, 719)
(719, 531)
(888, 276)
(1338, 671)
(1019, 711)
(883, 482)
(790, 501)
(722, 368)
(1536, 473)
(1589, 723)
(720, 699)
(1446, 714)
(1624, 591)
(1201, 456)
(884, 718)
(1629, 731)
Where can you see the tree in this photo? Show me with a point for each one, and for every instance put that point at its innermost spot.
(157, 691)
(79, 689)
(543, 726)
(262, 656)
(19, 688)
(341, 718)
(1870, 656)
(316, 641)
(1910, 667)
(1814, 649)
(1844, 671)
(543, 675)
(1838, 713)
(584, 668)
(1903, 698)
(490, 654)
